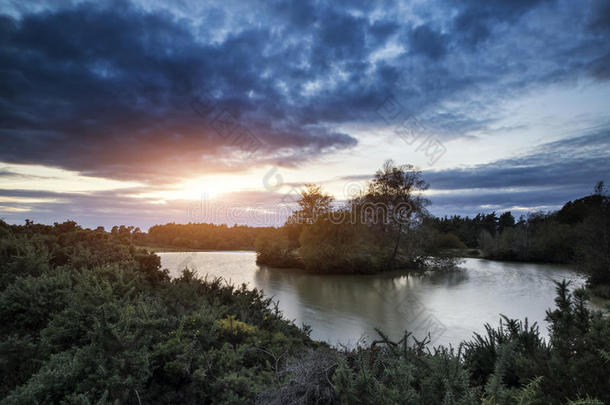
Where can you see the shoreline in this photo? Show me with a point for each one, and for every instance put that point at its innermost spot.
(171, 249)
(598, 302)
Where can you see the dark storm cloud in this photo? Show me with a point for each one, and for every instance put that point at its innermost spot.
(600, 16)
(108, 90)
(426, 41)
(476, 20)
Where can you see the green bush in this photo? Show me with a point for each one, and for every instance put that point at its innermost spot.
(83, 324)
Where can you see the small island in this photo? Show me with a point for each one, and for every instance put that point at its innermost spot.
(382, 229)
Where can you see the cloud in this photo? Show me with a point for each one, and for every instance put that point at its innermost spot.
(426, 41)
(108, 90)
(138, 91)
(600, 16)
(108, 208)
(475, 21)
(543, 179)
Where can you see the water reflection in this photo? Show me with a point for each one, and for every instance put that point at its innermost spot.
(342, 309)
(448, 279)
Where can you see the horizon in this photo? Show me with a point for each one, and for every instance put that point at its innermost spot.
(272, 220)
(138, 112)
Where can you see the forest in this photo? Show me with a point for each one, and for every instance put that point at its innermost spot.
(204, 236)
(88, 318)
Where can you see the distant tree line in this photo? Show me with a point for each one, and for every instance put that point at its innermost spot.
(203, 236)
(578, 233)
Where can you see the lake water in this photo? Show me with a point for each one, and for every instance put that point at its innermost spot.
(343, 309)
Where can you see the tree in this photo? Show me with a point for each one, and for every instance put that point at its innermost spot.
(397, 190)
(593, 249)
(600, 188)
(506, 220)
(338, 245)
(312, 204)
(277, 247)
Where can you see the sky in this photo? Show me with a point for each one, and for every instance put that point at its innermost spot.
(144, 112)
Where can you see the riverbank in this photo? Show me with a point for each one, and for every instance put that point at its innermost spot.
(341, 308)
(168, 249)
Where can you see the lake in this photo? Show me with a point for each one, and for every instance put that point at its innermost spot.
(341, 309)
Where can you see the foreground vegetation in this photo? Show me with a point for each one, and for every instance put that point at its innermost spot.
(86, 318)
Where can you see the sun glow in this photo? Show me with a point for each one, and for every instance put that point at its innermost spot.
(207, 187)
